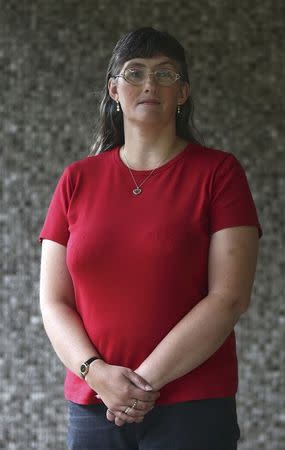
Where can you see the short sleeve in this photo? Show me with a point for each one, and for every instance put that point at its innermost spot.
(56, 226)
(232, 203)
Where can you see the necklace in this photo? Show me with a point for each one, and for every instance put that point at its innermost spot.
(138, 189)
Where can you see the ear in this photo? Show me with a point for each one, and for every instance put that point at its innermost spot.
(183, 93)
(112, 88)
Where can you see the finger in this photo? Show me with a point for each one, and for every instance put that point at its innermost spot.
(130, 415)
(119, 422)
(144, 396)
(110, 415)
(147, 409)
(128, 418)
(142, 406)
(155, 395)
(134, 413)
(138, 381)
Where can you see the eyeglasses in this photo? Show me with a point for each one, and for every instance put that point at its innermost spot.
(137, 76)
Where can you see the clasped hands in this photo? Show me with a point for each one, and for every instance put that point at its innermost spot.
(126, 394)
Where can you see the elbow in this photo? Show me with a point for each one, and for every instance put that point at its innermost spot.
(46, 311)
(237, 305)
(45, 304)
(241, 305)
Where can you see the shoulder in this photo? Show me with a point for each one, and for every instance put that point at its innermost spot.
(209, 156)
(208, 162)
(89, 164)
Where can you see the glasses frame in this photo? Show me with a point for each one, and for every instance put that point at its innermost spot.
(177, 77)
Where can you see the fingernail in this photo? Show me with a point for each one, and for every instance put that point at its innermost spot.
(148, 387)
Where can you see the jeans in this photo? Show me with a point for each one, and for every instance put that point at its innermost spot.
(209, 424)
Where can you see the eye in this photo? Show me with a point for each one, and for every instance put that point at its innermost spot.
(164, 72)
(134, 73)
(165, 75)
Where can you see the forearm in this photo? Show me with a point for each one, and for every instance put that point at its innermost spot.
(68, 337)
(191, 342)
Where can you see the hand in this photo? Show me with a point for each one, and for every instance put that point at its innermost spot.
(119, 387)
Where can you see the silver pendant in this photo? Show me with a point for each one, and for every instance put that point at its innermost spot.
(137, 191)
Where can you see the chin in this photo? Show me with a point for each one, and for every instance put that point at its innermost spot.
(148, 116)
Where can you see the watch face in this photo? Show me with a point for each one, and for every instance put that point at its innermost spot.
(83, 368)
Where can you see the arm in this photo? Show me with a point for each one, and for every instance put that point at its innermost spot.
(62, 323)
(116, 385)
(232, 264)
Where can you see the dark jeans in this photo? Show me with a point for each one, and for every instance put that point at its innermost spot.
(209, 424)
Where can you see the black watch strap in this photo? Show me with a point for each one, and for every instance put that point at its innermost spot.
(84, 368)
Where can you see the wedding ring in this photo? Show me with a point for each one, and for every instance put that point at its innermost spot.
(131, 407)
(135, 404)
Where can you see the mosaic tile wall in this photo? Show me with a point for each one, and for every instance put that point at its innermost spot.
(53, 57)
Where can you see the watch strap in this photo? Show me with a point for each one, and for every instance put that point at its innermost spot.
(89, 361)
(84, 368)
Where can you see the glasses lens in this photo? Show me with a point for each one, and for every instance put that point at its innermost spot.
(134, 75)
(165, 77)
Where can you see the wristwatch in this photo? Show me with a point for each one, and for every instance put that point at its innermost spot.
(84, 368)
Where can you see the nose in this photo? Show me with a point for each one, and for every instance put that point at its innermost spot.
(150, 76)
(150, 81)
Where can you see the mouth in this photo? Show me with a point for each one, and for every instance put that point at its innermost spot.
(149, 102)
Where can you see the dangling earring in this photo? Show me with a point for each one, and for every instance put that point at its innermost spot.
(178, 109)
(118, 106)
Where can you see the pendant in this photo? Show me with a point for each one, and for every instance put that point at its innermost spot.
(137, 191)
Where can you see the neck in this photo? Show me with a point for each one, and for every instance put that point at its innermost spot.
(146, 150)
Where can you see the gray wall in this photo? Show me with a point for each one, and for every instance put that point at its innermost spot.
(54, 55)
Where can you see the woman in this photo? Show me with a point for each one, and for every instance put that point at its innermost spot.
(149, 251)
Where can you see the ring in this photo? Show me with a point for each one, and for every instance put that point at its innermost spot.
(131, 407)
(135, 404)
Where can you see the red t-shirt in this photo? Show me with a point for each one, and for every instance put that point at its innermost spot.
(140, 263)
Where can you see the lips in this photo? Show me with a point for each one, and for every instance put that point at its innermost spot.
(149, 100)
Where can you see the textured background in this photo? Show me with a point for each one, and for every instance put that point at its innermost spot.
(54, 55)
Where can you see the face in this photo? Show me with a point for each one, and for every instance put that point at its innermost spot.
(149, 101)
